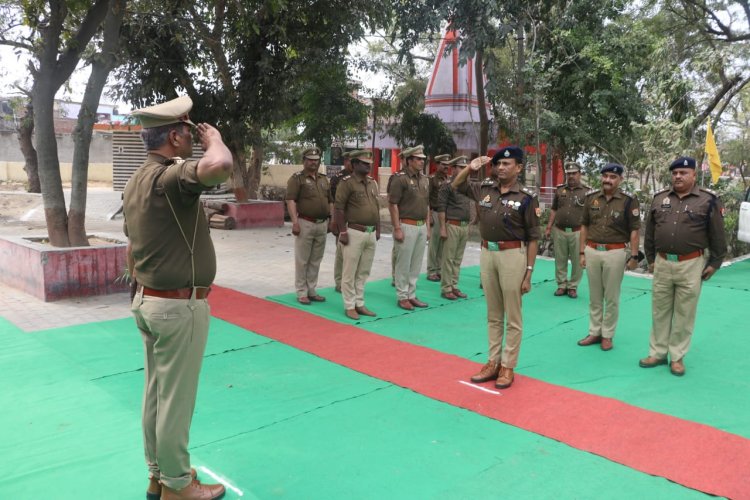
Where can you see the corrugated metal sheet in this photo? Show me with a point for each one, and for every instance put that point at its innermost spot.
(128, 154)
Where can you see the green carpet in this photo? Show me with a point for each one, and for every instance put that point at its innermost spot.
(275, 422)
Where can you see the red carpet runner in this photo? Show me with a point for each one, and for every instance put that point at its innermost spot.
(688, 453)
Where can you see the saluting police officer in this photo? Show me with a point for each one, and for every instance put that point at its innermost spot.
(435, 250)
(509, 226)
(310, 206)
(564, 226)
(358, 221)
(171, 255)
(408, 204)
(338, 262)
(611, 220)
(454, 214)
(681, 223)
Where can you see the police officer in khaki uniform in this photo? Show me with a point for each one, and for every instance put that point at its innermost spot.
(509, 226)
(441, 177)
(454, 214)
(564, 226)
(358, 221)
(408, 198)
(609, 242)
(682, 222)
(171, 255)
(338, 263)
(310, 206)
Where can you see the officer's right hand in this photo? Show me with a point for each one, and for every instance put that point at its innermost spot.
(583, 261)
(344, 238)
(295, 228)
(207, 134)
(443, 233)
(651, 268)
(398, 235)
(479, 162)
(547, 232)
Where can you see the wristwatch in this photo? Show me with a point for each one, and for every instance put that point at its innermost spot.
(633, 257)
(529, 268)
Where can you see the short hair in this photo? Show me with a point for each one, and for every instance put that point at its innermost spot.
(155, 137)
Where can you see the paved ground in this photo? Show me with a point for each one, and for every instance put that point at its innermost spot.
(257, 261)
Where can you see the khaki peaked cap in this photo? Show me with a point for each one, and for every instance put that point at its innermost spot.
(166, 113)
(361, 155)
(416, 151)
(311, 154)
(442, 158)
(460, 161)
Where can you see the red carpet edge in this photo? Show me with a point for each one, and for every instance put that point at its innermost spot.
(688, 453)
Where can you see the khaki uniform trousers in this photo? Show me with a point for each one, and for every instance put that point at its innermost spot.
(453, 255)
(309, 247)
(605, 269)
(435, 251)
(676, 289)
(409, 256)
(358, 256)
(338, 265)
(566, 249)
(502, 274)
(174, 333)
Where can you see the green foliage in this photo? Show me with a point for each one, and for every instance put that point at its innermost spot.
(731, 196)
(413, 126)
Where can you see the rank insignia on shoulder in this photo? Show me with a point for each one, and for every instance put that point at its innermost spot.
(488, 182)
(561, 185)
(709, 191)
(529, 192)
(628, 194)
(592, 191)
(346, 177)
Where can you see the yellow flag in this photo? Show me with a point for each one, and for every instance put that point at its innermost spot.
(714, 162)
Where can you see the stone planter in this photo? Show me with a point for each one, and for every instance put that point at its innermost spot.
(50, 273)
(255, 213)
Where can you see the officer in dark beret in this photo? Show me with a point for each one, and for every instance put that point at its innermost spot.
(682, 222)
(609, 242)
(509, 226)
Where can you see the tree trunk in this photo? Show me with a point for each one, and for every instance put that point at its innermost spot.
(43, 97)
(521, 62)
(255, 171)
(101, 66)
(484, 122)
(31, 163)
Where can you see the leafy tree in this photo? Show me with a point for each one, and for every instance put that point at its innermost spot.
(246, 65)
(59, 33)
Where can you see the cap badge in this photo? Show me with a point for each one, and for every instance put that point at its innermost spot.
(506, 154)
(685, 163)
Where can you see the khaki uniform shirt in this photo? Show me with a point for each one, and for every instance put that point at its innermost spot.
(410, 192)
(358, 200)
(335, 182)
(683, 225)
(162, 257)
(611, 221)
(503, 217)
(312, 195)
(456, 205)
(436, 182)
(568, 205)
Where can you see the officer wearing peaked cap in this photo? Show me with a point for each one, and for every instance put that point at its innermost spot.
(310, 206)
(358, 219)
(454, 214)
(408, 204)
(682, 222)
(171, 255)
(564, 226)
(435, 248)
(609, 242)
(338, 263)
(509, 226)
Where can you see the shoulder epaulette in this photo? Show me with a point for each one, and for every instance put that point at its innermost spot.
(660, 192)
(561, 185)
(627, 193)
(400, 172)
(529, 192)
(370, 177)
(300, 173)
(346, 177)
(709, 191)
(488, 181)
(592, 191)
